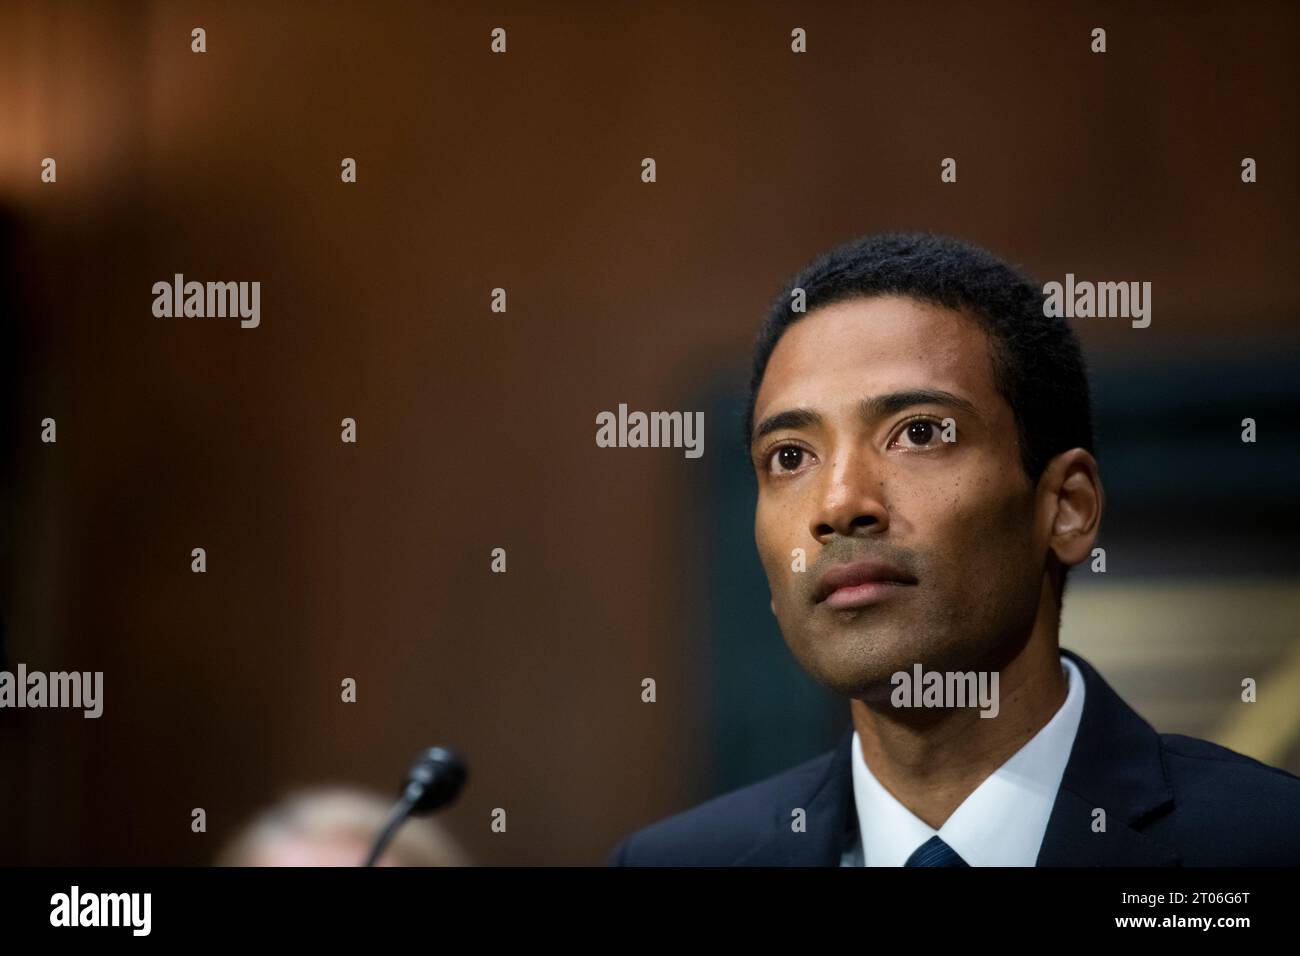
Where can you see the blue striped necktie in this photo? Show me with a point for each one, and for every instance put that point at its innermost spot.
(934, 852)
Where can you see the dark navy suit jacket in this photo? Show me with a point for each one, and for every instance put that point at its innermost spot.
(1170, 800)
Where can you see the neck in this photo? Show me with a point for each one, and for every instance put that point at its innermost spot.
(933, 766)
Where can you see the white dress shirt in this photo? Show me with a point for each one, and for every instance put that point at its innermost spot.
(1003, 820)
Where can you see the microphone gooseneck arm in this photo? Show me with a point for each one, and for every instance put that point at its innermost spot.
(434, 780)
(401, 810)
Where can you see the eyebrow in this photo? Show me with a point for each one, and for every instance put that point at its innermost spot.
(877, 406)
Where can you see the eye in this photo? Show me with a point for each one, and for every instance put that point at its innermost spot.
(786, 459)
(919, 433)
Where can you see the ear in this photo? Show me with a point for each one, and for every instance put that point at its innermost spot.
(1070, 499)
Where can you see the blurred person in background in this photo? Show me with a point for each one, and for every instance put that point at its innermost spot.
(336, 827)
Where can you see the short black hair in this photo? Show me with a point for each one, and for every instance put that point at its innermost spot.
(1037, 362)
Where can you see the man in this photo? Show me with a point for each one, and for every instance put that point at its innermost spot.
(922, 438)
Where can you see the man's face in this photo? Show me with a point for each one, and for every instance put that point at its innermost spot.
(850, 482)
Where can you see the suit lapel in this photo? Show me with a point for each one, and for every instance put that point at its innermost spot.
(1115, 766)
(825, 793)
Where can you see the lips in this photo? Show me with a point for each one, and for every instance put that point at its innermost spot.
(850, 576)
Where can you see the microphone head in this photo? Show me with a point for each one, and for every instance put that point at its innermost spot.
(434, 780)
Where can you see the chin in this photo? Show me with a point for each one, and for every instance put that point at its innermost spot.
(857, 664)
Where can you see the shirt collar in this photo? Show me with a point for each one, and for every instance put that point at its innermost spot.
(1001, 823)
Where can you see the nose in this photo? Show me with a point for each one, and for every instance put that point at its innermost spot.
(851, 500)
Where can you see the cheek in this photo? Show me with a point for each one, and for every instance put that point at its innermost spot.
(766, 537)
(977, 530)
(776, 535)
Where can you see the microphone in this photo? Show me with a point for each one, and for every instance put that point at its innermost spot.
(434, 780)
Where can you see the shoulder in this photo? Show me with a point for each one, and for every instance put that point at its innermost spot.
(1202, 769)
(1230, 809)
(719, 831)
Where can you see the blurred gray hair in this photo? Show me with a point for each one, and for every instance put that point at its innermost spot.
(334, 812)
